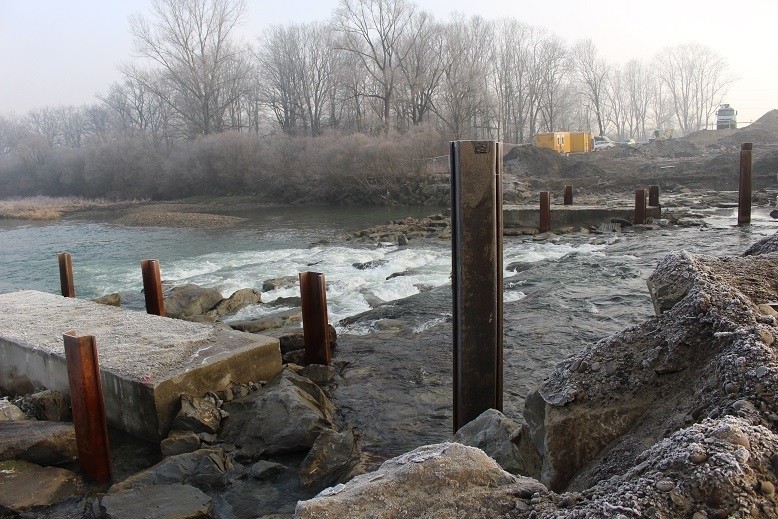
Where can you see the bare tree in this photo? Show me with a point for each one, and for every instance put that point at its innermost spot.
(639, 83)
(695, 78)
(422, 67)
(191, 42)
(374, 30)
(592, 72)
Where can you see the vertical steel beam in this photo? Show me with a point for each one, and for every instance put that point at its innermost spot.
(640, 206)
(152, 287)
(653, 196)
(476, 246)
(568, 195)
(313, 295)
(89, 418)
(744, 192)
(66, 274)
(545, 212)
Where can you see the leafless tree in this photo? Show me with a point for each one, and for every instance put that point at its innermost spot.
(696, 81)
(191, 42)
(374, 30)
(592, 72)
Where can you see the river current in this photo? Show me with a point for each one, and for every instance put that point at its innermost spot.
(569, 288)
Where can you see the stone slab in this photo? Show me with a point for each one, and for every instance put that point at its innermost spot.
(146, 361)
(571, 215)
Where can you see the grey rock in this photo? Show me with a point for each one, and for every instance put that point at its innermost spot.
(198, 415)
(189, 300)
(48, 405)
(238, 300)
(165, 501)
(25, 486)
(179, 442)
(114, 299)
(442, 480)
(494, 433)
(670, 282)
(281, 282)
(265, 469)
(204, 468)
(276, 320)
(766, 245)
(9, 411)
(318, 373)
(286, 415)
(44, 443)
(330, 460)
(372, 263)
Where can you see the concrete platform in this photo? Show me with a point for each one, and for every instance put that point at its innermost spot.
(571, 215)
(146, 361)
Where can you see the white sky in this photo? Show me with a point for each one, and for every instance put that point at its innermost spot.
(55, 52)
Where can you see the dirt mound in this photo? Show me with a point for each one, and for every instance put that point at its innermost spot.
(768, 121)
(708, 137)
(672, 148)
(767, 166)
(530, 161)
(763, 131)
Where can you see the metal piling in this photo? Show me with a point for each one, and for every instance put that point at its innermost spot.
(313, 295)
(152, 287)
(66, 274)
(744, 191)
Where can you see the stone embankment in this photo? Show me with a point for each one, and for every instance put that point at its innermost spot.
(675, 417)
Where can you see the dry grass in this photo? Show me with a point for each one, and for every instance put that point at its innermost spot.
(49, 208)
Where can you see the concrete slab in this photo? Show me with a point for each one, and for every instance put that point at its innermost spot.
(570, 215)
(146, 361)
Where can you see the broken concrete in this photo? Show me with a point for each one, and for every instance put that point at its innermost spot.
(146, 361)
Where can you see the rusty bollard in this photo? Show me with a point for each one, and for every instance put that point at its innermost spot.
(476, 282)
(313, 295)
(568, 195)
(89, 418)
(545, 212)
(640, 206)
(744, 192)
(653, 196)
(66, 274)
(152, 287)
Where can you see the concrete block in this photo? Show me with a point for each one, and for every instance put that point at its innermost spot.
(146, 361)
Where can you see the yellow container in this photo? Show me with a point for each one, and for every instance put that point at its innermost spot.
(557, 141)
(580, 142)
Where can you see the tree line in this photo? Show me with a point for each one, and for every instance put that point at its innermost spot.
(384, 70)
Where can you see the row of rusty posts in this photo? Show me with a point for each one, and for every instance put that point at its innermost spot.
(85, 384)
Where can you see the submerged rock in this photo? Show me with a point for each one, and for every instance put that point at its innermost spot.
(189, 300)
(44, 443)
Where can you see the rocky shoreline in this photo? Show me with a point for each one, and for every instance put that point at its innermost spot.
(675, 417)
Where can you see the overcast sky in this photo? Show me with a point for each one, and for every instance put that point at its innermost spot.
(56, 52)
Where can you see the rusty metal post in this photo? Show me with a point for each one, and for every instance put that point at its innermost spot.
(653, 196)
(152, 287)
(476, 245)
(545, 212)
(89, 418)
(744, 192)
(313, 295)
(66, 274)
(568, 195)
(640, 206)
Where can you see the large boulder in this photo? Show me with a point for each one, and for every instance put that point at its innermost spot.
(286, 415)
(10, 411)
(165, 501)
(190, 300)
(281, 282)
(25, 486)
(268, 322)
(204, 468)
(442, 480)
(501, 438)
(331, 459)
(48, 405)
(200, 415)
(237, 301)
(44, 443)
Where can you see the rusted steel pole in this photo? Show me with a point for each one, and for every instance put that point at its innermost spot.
(89, 418)
(476, 222)
(568, 195)
(313, 295)
(640, 206)
(653, 196)
(744, 195)
(66, 274)
(545, 212)
(152, 287)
